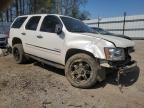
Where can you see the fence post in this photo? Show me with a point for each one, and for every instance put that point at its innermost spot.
(99, 19)
(124, 23)
(98, 22)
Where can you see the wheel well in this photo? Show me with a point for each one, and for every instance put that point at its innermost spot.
(72, 52)
(16, 41)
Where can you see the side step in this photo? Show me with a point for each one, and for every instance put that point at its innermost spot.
(46, 61)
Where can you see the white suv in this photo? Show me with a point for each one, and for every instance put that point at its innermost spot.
(68, 43)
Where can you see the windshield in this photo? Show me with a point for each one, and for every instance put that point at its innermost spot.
(101, 31)
(74, 25)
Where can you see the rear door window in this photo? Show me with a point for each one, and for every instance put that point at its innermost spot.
(18, 22)
(33, 23)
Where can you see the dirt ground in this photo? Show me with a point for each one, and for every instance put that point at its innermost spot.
(35, 85)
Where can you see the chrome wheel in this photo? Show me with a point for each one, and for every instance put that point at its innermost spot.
(80, 71)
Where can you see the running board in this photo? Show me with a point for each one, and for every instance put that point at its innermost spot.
(46, 61)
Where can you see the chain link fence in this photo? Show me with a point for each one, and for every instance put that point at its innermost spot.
(132, 26)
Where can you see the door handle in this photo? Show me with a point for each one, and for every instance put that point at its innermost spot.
(23, 33)
(39, 37)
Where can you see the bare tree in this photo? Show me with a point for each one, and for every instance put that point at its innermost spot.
(20, 7)
(23, 6)
(1, 17)
(17, 7)
(65, 7)
(7, 15)
(58, 5)
(11, 14)
(72, 7)
(4, 4)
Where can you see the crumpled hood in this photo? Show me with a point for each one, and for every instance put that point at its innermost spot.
(117, 41)
(122, 36)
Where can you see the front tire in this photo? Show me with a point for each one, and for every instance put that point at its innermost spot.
(18, 54)
(82, 70)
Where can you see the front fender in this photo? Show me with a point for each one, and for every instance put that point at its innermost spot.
(95, 47)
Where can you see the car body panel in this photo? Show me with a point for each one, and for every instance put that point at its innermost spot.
(90, 44)
(118, 41)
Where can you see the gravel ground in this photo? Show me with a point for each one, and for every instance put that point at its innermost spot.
(35, 85)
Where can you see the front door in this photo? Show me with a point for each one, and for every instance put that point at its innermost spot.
(51, 44)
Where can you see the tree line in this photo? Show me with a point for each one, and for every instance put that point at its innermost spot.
(64, 7)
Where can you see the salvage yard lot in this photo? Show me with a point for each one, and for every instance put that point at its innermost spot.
(35, 85)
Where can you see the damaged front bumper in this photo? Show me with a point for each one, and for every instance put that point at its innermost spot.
(122, 68)
(125, 65)
(130, 65)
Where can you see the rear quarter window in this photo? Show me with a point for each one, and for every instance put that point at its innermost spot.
(18, 22)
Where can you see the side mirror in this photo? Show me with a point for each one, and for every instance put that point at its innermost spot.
(58, 28)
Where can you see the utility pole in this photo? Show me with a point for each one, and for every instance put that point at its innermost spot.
(124, 23)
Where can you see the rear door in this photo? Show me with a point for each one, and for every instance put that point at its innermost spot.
(29, 35)
(16, 28)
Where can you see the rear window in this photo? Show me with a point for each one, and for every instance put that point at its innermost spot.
(19, 21)
(33, 23)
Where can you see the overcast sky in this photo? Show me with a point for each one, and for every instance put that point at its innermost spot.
(109, 8)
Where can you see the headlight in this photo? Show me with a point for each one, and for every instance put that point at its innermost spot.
(115, 54)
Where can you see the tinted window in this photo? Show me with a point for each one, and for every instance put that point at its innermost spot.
(33, 23)
(19, 21)
(49, 24)
(74, 25)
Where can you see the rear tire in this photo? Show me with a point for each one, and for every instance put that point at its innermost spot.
(81, 70)
(18, 54)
